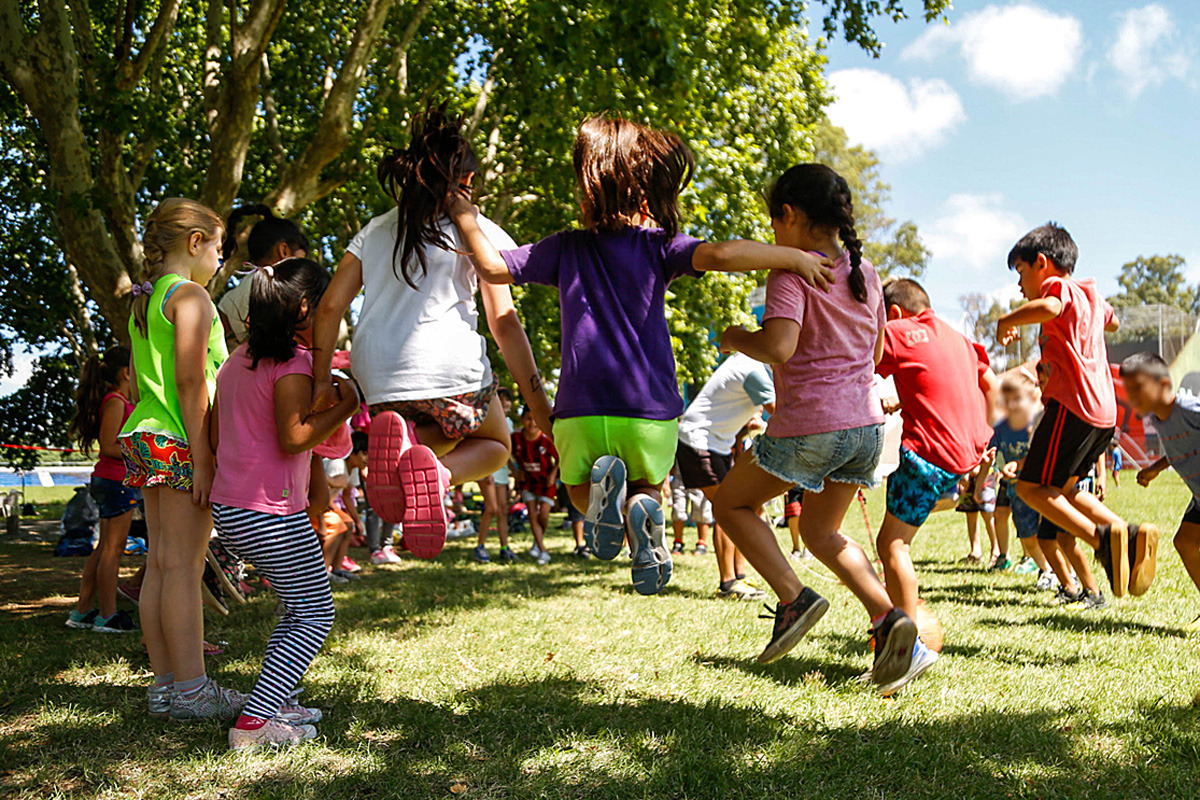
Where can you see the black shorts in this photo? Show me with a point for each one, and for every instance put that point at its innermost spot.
(794, 502)
(1192, 515)
(1063, 448)
(701, 468)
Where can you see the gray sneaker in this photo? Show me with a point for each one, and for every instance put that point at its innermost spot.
(295, 714)
(276, 733)
(159, 700)
(211, 702)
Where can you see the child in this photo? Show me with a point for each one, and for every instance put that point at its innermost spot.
(101, 408)
(616, 411)
(1117, 459)
(495, 498)
(827, 433)
(1081, 408)
(537, 477)
(793, 505)
(945, 388)
(435, 419)
(177, 345)
(263, 431)
(688, 504)
(342, 521)
(977, 497)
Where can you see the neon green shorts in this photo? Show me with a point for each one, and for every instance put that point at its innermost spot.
(647, 446)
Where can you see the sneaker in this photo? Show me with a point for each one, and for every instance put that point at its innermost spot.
(211, 702)
(921, 660)
(507, 556)
(378, 558)
(543, 558)
(677, 549)
(347, 574)
(652, 566)
(582, 552)
(130, 593)
(392, 556)
(481, 554)
(158, 701)
(425, 481)
(743, 590)
(1047, 580)
(792, 621)
(210, 591)
(534, 551)
(1192, 626)
(1026, 566)
(82, 622)
(391, 437)
(604, 523)
(227, 568)
(1094, 601)
(797, 555)
(970, 559)
(1113, 555)
(293, 713)
(894, 638)
(350, 565)
(275, 733)
(701, 549)
(119, 622)
(1001, 563)
(337, 580)
(1066, 598)
(1143, 558)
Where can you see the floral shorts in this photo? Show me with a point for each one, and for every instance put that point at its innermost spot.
(156, 459)
(458, 416)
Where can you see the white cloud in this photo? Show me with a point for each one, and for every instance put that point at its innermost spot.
(1147, 50)
(973, 234)
(22, 370)
(1022, 50)
(896, 121)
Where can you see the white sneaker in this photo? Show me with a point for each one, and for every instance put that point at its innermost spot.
(535, 552)
(543, 558)
(392, 557)
(378, 558)
(275, 733)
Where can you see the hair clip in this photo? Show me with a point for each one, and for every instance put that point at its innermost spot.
(268, 270)
(146, 288)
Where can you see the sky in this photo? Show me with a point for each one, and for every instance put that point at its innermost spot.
(1086, 112)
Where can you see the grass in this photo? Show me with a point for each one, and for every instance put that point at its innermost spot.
(448, 679)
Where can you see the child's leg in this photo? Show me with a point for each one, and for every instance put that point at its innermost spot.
(735, 506)
(479, 453)
(184, 529)
(999, 537)
(487, 487)
(999, 524)
(1032, 549)
(150, 600)
(113, 533)
(794, 530)
(502, 514)
(1187, 543)
(989, 525)
(724, 549)
(1070, 548)
(1057, 505)
(577, 530)
(703, 532)
(894, 547)
(543, 521)
(976, 551)
(87, 581)
(1047, 538)
(820, 528)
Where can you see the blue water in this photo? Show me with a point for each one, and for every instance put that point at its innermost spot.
(60, 479)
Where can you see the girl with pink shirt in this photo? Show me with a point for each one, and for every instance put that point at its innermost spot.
(826, 434)
(263, 429)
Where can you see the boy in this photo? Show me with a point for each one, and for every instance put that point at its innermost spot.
(1081, 406)
(341, 520)
(537, 477)
(1176, 418)
(945, 387)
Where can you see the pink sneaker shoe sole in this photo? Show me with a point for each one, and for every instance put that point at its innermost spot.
(425, 519)
(389, 441)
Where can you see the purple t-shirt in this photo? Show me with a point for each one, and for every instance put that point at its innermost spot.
(612, 286)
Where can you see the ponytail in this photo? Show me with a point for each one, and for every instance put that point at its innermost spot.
(99, 375)
(422, 180)
(269, 231)
(825, 198)
(168, 227)
(277, 294)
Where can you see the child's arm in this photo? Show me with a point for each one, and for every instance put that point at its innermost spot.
(300, 429)
(1035, 312)
(351, 507)
(484, 256)
(510, 336)
(1147, 474)
(1101, 477)
(774, 343)
(743, 255)
(190, 310)
(343, 288)
(989, 384)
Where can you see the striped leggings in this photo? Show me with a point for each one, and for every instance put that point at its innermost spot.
(286, 551)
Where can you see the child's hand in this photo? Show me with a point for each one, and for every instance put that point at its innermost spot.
(461, 205)
(1010, 470)
(1006, 334)
(1146, 475)
(727, 338)
(891, 405)
(813, 269)
(325, 393)
(203, 471)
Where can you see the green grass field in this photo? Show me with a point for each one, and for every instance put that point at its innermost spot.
(447, 679)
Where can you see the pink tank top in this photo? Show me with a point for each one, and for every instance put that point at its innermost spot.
(106, 466)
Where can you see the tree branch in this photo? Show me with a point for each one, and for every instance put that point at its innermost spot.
(132, 73)
(485, 93)
(14, 50)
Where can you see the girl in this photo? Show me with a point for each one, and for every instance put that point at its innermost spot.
(178, 344)
(263, 431)
(101, 408)
(617, 409)
(417, 353)
(826, 434)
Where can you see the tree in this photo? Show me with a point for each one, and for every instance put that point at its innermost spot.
(37, 415)
(893, 248)
(982, 314)
(1156, 300)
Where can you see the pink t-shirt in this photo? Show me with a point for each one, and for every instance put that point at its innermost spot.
(829, 383)
(107, 467)
(253, 471)
(1073, 348)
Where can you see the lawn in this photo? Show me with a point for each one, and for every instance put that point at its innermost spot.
(448, 679)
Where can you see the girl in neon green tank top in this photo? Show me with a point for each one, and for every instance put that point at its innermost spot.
(177, 344)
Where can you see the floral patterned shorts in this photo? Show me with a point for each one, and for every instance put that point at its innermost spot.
(458, 416)
(156, 459)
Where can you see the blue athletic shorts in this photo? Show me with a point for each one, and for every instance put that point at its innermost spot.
(915, 488)
(1024, 518)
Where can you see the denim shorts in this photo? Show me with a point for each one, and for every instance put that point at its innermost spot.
(915, 488)
(113, 497)
(849, 456)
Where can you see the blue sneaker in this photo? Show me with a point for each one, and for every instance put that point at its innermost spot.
(651, 560)
(481, 554)
(604, 525)
(82, 622)
(922, 659)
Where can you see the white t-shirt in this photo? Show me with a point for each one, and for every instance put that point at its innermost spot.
(422, 344)
(235, 305)
(727, 402)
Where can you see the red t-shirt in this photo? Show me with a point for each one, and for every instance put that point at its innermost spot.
(937, 372)
(1076, 357)
(537, 458)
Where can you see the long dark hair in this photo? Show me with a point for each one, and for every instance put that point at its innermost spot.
(623, 168)
(422, 179)
(824, 197)
(276, 295)
(266, 233)
(100, 374)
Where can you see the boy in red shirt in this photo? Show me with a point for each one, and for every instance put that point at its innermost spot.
(946, 388)
(537, 478)
(1081, 407)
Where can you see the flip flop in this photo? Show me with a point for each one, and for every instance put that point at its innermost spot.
(391, 438)
(425, 483)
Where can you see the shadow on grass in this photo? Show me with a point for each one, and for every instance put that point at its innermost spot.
(790, 671)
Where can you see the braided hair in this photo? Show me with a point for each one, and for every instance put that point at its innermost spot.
(168, 227)
(824, 197)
